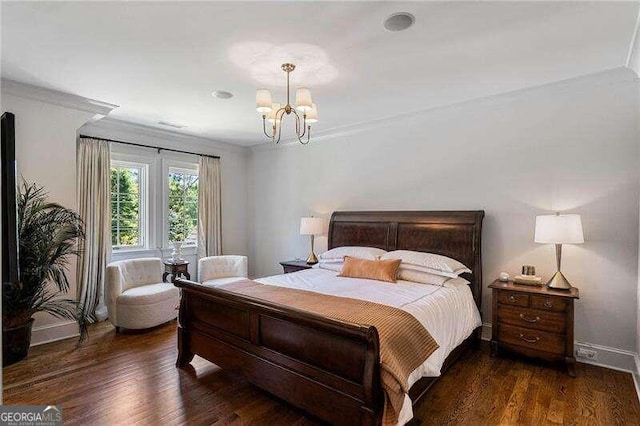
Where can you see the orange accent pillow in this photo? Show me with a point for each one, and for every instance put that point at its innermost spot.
(380, 270)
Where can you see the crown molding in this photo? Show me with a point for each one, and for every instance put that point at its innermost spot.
(633, 54)
(127, 131)
(55, 97)
(598, 79)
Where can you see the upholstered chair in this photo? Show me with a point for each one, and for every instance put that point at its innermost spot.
(218, 270)
(135, 295)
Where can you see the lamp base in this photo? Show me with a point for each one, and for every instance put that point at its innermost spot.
(312, 259)
(559, 282)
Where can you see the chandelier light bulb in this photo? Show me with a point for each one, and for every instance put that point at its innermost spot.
(272, 114)
(312, 114)
(303, 99)
(263, 100)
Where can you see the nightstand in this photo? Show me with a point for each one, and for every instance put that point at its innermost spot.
(295, 266)
(533, 321)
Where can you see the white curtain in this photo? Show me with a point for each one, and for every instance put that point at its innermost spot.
(209, 208)
(94, 206)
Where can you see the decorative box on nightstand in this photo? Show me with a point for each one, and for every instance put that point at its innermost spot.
(295, 266)
(533, 321)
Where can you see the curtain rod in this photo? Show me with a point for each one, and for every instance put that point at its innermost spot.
(148, 146)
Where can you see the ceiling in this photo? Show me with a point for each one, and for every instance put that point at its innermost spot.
(160, 61)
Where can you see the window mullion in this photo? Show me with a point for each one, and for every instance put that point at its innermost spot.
(118, 217)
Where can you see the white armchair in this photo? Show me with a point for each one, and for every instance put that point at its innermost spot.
(135, 295)
(217, 270)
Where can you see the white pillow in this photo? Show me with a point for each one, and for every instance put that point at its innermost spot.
(338, 253)
(421, 277)
(456, 282)
(431, 271)
(325, 261)
(331, 266)
(428, 262)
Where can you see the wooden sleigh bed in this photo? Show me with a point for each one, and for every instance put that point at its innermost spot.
(328, 368)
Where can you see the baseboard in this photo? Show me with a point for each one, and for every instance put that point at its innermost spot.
(486, 331)
(616, 359)
(51, 333)
(636, 376)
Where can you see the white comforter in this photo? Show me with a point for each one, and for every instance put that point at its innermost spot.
(448, 313)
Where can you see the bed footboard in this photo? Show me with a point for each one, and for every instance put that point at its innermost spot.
(328, 368)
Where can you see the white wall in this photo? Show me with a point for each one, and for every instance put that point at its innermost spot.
(571, 146)
(637, 371)
(46, 137)
(46, 153)
(233, 161)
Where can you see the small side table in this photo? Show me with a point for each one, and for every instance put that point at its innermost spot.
(175, 268)
(295, 266)
(534, 321)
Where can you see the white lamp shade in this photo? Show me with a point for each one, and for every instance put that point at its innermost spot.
(559, 229)
(312, 114)
(312, 226)
(303, 99)
(272, 115)
(263, 100)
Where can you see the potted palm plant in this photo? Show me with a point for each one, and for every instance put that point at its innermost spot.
(49, 236)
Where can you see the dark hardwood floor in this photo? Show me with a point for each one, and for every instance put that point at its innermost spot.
(131, 379)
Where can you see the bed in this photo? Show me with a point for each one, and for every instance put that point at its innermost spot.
(339, 380)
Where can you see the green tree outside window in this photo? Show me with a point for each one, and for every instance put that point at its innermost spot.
(183, 206)
(125, 206)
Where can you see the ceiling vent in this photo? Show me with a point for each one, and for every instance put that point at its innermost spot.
(221, 94)
(399, 21)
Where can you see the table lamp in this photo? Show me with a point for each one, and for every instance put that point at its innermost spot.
(312, 226)
(559, 229)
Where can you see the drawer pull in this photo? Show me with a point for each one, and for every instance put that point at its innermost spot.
(512, 298)
(548, 304)
(531, 320)
(535, 339)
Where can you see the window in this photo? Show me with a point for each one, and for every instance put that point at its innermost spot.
(128, 182)
(182, 187)
(154, 202)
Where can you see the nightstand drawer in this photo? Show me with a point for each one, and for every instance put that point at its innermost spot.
(534, 339)
(532, 318)
(290, 268)
(549, 303)
(513, 298)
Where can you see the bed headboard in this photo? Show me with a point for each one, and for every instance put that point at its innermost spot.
(455, 234)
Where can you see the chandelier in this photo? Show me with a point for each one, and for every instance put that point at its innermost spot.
(274, 112)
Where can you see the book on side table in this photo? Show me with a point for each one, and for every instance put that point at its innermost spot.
(527, 280)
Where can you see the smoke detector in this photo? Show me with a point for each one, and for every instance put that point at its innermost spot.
(399, 21)
(222, 94)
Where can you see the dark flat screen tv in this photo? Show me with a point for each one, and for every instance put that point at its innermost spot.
(9, 214)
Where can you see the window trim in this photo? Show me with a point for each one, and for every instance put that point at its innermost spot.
(157, 203)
